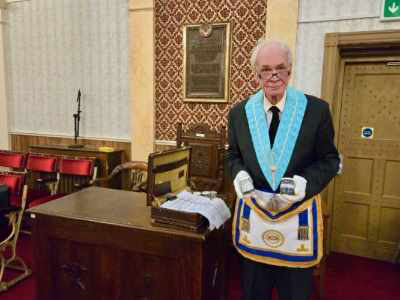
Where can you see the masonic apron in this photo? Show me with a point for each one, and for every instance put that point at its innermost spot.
(290, 236)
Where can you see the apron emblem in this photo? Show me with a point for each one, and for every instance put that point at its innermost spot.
(273, 238)
(302, 248)
(245, 225)
(302, 233)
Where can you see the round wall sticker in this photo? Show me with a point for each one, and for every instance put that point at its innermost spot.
(367, 132)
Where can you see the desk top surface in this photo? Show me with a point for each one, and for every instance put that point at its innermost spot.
(108, 206)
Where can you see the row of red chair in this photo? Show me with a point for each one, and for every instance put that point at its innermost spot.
(20, 161)
(49, 176)
(33, 179)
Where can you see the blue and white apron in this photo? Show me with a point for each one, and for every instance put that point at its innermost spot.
(290, 238)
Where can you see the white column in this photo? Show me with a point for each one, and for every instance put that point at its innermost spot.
(4, 138)
(142, 77)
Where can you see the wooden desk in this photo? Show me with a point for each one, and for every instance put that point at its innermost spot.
(99, 244)
(107, 161)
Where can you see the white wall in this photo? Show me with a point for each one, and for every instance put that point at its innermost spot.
(317, 17)
(54, 47)
(4, 143)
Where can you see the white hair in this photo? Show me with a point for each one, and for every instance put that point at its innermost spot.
(263, 42)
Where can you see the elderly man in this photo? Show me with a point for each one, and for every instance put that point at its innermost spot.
(279, 135)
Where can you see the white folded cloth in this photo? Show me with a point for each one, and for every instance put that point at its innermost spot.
(214, 210)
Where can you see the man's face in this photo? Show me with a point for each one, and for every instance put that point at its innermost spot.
(273, 71)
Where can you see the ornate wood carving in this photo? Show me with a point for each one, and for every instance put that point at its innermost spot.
(208, 150)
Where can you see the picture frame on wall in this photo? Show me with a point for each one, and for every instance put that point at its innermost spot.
(206, 62)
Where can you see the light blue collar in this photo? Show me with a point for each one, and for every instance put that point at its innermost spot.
(278, 157)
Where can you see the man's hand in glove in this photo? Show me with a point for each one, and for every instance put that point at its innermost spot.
(299, 192)
(243, 183)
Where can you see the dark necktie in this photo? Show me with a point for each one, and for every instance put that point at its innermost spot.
(273, 127)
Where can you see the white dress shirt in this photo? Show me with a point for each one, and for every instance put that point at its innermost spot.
(280, 105)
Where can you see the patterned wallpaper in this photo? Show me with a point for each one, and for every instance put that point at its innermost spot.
(54, 48)
(247, 18)
(319, 17)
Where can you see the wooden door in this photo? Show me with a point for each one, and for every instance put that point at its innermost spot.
(366, 208)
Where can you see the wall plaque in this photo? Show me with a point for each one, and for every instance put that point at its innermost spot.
(206, 62)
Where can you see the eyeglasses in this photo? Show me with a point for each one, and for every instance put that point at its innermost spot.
(268, 74)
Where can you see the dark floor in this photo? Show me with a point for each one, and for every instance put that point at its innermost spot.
(347, 277)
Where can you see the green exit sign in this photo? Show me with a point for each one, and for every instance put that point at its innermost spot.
(390, 10)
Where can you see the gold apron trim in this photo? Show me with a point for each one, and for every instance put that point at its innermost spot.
(306, 204)
(279, 262)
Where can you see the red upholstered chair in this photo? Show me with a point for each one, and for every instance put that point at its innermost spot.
(9, 230)
(76, 173)
(42, 175)
(12, 160)
(73, 175)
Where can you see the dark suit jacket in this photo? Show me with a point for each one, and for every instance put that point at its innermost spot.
(314, 157)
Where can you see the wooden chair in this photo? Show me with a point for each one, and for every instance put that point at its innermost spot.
(76, 173)
(73, 174)
(134, 176)
(207, 160)
(13, 212)
(41, 175)
(12, 160)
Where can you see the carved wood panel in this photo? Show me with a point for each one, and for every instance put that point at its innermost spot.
(22, 142)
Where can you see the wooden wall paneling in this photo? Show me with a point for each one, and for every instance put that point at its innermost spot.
(21, 142)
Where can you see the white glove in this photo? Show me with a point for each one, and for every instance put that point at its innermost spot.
(299, 192)
(243, 183)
